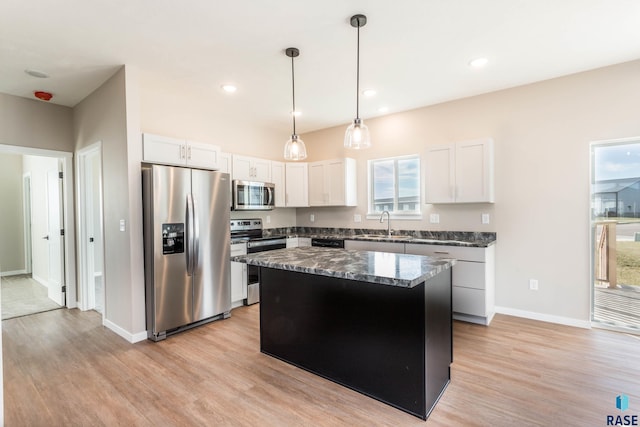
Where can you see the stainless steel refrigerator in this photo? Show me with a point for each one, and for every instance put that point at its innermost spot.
(187, 247)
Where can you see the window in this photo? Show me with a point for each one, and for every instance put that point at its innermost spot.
(394, 186)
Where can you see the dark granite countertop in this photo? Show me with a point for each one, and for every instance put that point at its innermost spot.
(448, 238)
(375, 267)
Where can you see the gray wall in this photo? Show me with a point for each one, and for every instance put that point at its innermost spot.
(35, 124)
(103, 116)
(12, 257)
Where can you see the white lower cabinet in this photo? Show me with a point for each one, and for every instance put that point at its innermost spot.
(304, 241)
(366, 245)
(472, 279)
(238, 276)
(292, 242)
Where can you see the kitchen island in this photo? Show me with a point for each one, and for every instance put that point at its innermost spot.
(378, 323)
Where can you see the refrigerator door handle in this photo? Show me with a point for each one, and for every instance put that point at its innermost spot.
(196, 236)
(190, 235)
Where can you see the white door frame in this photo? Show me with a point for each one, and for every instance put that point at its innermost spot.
(26, 217)
(86, 265)
(69, 217)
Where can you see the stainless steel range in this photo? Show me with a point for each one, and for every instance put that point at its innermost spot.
(251, 231)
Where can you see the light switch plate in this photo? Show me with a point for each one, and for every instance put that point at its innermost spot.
(122, 225)
(434, 218)
(357, 218)
(268, 219)
(312, 217)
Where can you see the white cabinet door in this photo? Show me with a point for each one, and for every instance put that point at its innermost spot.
(317, 194)
(297, 184)
(242, 168)
(173, 151)
(278, 179)
(474, 171)
(238, 275)
(292, 242)
(224, 163)
(469, 301)
(440, 174)
(333, 183)
(262, 170)
(251, 168)
(460, 172)
(201, 155)
(366, 245)
(304, 241)
(164, 150)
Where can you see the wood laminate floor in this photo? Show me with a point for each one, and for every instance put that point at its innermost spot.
(62, 368)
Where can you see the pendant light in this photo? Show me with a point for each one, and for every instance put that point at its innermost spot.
(357, 135)
(294, 148)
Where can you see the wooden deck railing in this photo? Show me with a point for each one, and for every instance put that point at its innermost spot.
(605, 262)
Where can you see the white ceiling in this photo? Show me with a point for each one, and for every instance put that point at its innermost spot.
(413, 52)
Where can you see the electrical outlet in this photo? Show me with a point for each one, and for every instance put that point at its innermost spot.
(434, 218)
(268, 219)
(312, 217)
(357, 218)
(485, 218)
(533, 284)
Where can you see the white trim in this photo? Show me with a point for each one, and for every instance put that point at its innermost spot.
(13, 273)
(40, 280)
(132, 338)
(27, 206)
(83, 262)
(568, 321)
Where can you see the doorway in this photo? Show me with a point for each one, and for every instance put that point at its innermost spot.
(37, 252)
(615, 234)
(91, 234)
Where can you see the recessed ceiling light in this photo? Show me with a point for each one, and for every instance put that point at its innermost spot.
(37, 73)
(296, 113)
(478, 62)
(383, 110)
(229, 88)
(369, 92)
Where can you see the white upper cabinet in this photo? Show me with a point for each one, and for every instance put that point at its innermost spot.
(460, 172)
(333, 183)
(251, 169)
(224, 163)
(278, 179)
(173, 151)
(297, 184)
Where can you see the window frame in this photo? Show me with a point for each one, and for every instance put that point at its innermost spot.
(412, 215)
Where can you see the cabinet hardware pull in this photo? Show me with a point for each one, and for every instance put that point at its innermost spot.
(441, 252)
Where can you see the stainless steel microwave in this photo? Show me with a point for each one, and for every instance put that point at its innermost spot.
(253, 195)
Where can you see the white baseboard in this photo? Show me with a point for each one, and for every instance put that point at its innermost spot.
(12, 273)
(132, 338)
(41, 281)
(568, 321)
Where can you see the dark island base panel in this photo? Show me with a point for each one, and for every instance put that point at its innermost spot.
(390, 343)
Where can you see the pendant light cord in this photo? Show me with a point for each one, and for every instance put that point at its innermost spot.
(358, 76)
(293, 91)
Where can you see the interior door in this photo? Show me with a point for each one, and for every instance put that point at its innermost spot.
(55, 237)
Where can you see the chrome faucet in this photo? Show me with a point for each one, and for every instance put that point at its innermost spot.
(388, 221)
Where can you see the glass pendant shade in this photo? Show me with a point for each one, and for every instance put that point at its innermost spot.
(357, 136)
(294, 149)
